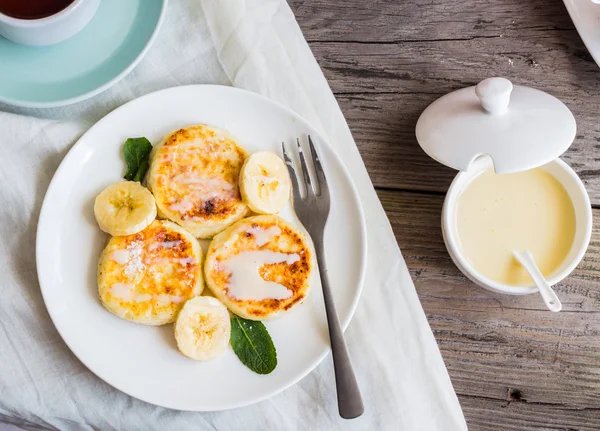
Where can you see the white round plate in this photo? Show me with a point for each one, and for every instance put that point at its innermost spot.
(143, 361)
(585, 14)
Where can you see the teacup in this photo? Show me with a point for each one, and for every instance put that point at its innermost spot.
(50, 29)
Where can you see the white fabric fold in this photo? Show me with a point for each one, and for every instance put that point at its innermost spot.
(256, 45)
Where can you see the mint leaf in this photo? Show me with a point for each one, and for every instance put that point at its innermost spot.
(252, 344)
(137, 156)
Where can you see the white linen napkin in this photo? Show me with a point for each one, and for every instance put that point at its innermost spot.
(256, 45)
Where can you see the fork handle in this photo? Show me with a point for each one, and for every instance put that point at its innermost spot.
(350, 403)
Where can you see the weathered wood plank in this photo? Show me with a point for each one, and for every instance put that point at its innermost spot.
(501, 348)
(386, 61)
(383, 126)
(525, 416)
(395, 21)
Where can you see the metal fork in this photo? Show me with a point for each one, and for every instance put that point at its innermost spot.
(312, 208)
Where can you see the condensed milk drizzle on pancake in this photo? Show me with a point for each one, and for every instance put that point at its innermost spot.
(245, 281)
(133, 261)
(126, 292)
(263, 236)
(200, 190)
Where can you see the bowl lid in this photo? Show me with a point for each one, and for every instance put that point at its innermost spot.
(518, 127)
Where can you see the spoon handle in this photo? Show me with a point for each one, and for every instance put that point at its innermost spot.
(548, 294)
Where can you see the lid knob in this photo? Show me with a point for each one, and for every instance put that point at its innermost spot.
(494, 94)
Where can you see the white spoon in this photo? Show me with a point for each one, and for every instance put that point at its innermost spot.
(548, 295)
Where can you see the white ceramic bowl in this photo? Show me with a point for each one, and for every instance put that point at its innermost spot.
(583, 231)
(52, 29)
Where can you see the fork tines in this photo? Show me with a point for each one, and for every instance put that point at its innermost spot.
(320, 182)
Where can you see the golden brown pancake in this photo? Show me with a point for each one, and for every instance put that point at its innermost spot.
(194, 176)
(262, 246)
(148, 276)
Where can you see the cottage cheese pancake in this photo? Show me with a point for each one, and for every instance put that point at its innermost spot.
(147, 277)
(194, 176)
(259, 267)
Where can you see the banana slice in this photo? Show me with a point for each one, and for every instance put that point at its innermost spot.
(265, 183)
(203, 328)
(124, 208)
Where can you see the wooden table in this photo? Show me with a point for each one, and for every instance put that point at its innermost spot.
(514, 365)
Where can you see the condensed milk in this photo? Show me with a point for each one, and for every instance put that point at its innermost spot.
(529, 210)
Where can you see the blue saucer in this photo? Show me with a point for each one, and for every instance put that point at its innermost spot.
(106, 50)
